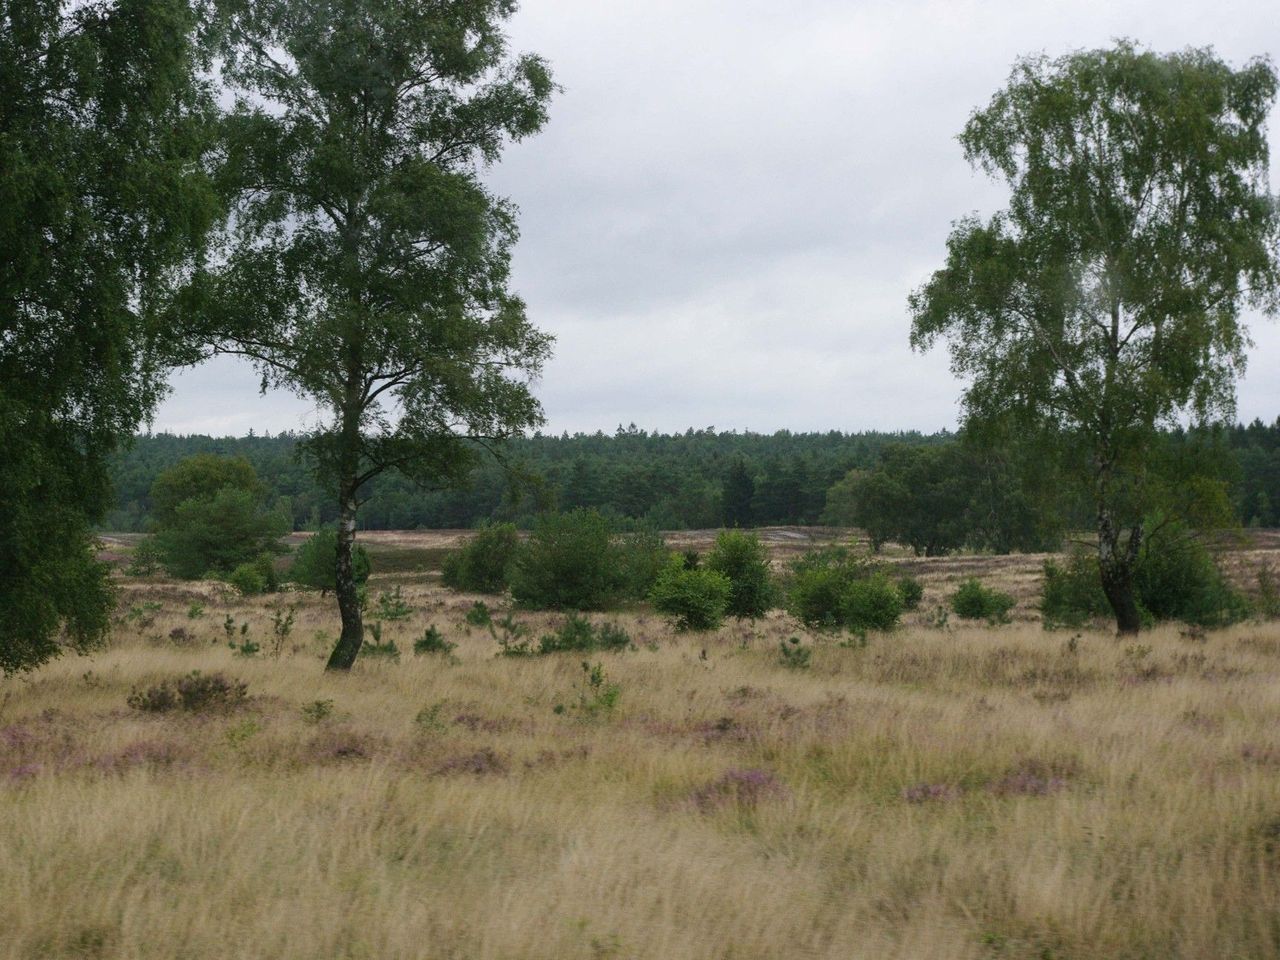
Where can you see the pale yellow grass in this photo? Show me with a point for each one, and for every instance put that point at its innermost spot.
(489, 826)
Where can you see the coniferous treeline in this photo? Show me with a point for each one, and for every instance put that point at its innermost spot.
(690, 480)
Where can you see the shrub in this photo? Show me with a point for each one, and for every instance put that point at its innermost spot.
(194, 692)
(874, 603)
(912, 592)
(248, 579)
(432, 641)
(1071, 593)
(973, 601)
(145, 561)
(484, 564)
(479, 615)
(217, 535)
(568, 563)
(580, 634)
(315, 565)
(742, 558)
(641, 557)
(696, 599)
(831, 588)
(1177, 579)
(792, 654)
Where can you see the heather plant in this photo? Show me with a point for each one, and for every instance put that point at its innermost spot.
(317, 711)
(483, 565)
(694, 599)
(194, 692)
(742, 558)
(973, 601)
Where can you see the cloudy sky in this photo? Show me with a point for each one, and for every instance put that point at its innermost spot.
(723, 219)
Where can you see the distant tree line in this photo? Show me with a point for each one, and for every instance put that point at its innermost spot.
(926, 491)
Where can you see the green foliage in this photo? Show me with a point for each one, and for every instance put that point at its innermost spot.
(392, 606)
(579, 634)
(695, 599)
(742, 558)
(483, 565)
(479, 614)
(1071, 593)
(973, 601)
(1178, 579)
(432, 641)
(105, 201)
(831, 588)
(216, 535)
(792, 654)
(368, 264)
(568, 563)
(598, 695)
(315, 563)
(641, 556)
(201, 477)
(248, 579)
(145, 561)
(1105, 301)
(912, 592)
(872, 603)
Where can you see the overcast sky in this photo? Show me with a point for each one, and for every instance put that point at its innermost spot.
(733, 198)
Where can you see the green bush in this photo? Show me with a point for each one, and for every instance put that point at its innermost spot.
(973, 601)
(1177, 579)
(641, 557)
(874, 603)
(255, 577)
(483, 565)
(432, 641)
(576, 634)
(826, 590)
(742, 558)
(315, 564)
(912, 592)
(568, 563)
(1071, 593)
(695, 599)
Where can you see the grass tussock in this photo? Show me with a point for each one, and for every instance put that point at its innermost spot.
(968, 792)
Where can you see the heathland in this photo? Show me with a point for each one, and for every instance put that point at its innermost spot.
(947, 790)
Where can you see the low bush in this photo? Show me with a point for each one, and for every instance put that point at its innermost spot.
(568, 563)
(1176, 579)
(432, 641)
(694, 599)
(641, 556)
(1071, 592)
(832, 588)
(742, 558)
(194, 692)
(580, 635)
(871, 604)
(484, 564)
(912, 592)
(973, 601)
(315, 564)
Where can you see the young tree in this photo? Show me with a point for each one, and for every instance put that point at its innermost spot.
(104, 203)
(737, 493)
(369, 264)
(1105, 302)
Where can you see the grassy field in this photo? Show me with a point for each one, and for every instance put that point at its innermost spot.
(945, 792)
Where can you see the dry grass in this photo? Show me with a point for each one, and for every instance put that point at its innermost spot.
(959, 793)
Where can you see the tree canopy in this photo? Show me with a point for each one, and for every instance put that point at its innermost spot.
(105, 202)
(1105, 301)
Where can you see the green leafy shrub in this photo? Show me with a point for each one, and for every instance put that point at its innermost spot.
(484, 564)
(568, 563)
(793, 655)
(217, 535)
(695, 599)
(479, 615)
(1071, 593)
(146, 559)
(873, 603)
(831, 588)
(1177, 579)
(973, 601)
(315, 564)
(248, 579)
(742, 558)
(912, 593)
(641, 557)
